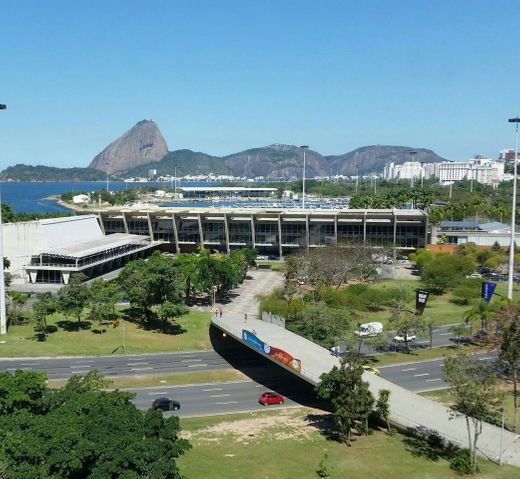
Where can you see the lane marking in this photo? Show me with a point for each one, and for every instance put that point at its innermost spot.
(80, 366)
(80, 372)
(219, 395)
(196, 365)
(86, 361)
(408, 369)
(212, 389)
(140, 369)
(445, 334)
(422, 374)
(135, 364)
(160, 393)
(227, 402)
(431, 380)
(485, 359)
(190, 360)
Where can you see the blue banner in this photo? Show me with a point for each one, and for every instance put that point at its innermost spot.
(253, 340)
(488, 289)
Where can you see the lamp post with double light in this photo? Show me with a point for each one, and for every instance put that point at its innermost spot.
(3, 316)
(513, 216)
(304, 148)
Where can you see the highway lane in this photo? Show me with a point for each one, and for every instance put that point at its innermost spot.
(422, 375)
(122, 365)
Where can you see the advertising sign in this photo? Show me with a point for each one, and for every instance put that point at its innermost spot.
(488, 289)
(254, 341)
(421, 298)
(285, 358)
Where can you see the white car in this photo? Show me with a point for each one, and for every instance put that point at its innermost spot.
(369, 330)
(474, 275)
(401, 338)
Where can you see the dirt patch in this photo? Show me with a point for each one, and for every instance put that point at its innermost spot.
(286, 425)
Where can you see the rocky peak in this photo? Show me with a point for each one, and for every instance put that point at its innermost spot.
(140, 145)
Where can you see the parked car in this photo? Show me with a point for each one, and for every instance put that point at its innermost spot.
(371, 370)
(166, 404)
(474, 275)
(338, 350)
(271, 398)
(402, 338)
(369, 330)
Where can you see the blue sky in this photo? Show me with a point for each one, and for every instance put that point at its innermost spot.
(221, 76)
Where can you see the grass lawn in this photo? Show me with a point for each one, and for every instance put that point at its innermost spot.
(439, 308)
(21, 340)
(421, 354)
(287, 445)
(272, 265)
(169, 379)
(444, 396)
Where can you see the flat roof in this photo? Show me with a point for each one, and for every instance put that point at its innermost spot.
(224, 188)
(89, 248)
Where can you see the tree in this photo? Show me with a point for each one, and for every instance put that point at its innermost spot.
(43, 307)
(477, 399)
(383, 407)
(73, 298)
(445, 271)
(509, 361)
(349, 395)
(150, 283)
(80, 431)
(18, 300)
(407, 323)
(481, 311)
(102, 298)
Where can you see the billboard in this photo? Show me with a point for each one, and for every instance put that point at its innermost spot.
(285, 358)
(254, 341)
(488, 289)
(421, 298)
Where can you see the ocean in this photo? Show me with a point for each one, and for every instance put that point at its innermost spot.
(31, 197)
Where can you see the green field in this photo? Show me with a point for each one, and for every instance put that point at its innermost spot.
(272, 265)
(21, 339)
(290, 444)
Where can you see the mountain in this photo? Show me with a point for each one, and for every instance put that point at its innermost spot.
(49, 173)
(141, 145)
(286, 161)
(372, 159)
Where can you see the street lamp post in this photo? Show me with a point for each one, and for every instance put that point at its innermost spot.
(3, 318)
(304, 148)
(513, 217)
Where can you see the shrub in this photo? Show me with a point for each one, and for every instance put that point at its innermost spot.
(460, 462)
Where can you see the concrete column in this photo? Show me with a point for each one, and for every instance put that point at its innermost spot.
(201, 236)
(100, 221)
(253, 233)
(365, 227)
(150, 229)
(336, 229)
(307, 232)
(175, 235)
(395, 230)
(280, 249)
(65, 276)
(125, 224)
(226, 232)
(32, 276)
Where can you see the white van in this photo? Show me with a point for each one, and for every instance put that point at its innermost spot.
(368, 330)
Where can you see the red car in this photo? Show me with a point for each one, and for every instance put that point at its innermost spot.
(271, 398)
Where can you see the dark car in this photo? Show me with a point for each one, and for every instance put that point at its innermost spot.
(166, 404)
(271, 398)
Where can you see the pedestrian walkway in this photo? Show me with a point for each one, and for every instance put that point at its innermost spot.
(408, 410)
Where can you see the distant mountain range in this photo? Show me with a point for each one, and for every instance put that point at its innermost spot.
(143, 147)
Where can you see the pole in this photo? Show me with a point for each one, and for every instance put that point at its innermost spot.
(3, 317)
(513, 218)
(357, 177)
(501, 436)
(123, 332)
(303, 147)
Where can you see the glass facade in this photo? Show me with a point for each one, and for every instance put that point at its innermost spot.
(266, 233)
(138, 226)
(188, 231)
(240, 233)
(294, 234)
(380, 234)
(213, 231)
(349, 232)
(321, 234)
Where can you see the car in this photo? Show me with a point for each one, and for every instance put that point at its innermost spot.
(270, 397)
(474, 275)
(166, 404)
(401, 338)
(338, 350)
(369, 330)
(371, 370)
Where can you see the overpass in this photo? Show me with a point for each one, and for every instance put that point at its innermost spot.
(308, 361)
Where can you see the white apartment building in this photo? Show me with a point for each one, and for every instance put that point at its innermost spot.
(483, 170)
(407, 171)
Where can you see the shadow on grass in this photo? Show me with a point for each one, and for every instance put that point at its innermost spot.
(324, 423)
(69, 325)
(153, 323)
(40, 335)
(430, 446)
